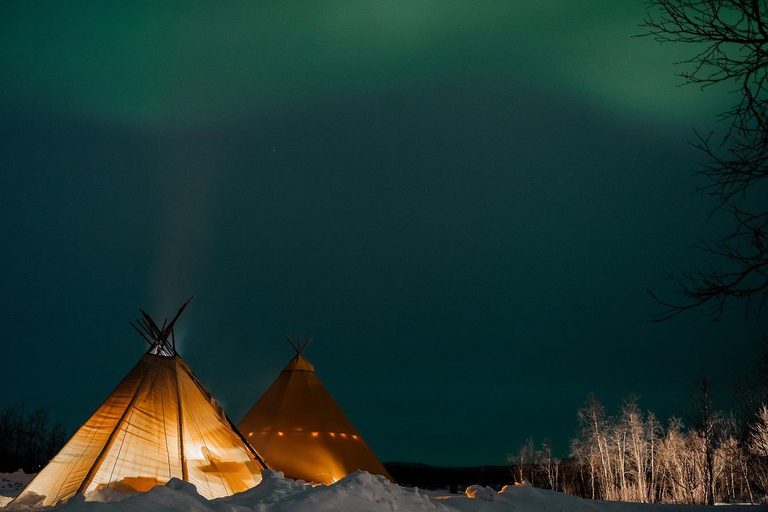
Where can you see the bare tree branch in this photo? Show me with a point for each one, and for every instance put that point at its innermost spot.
(731, 41)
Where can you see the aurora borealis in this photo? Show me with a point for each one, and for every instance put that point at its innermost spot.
(464, 202)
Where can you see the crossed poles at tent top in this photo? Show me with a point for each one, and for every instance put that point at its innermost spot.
(298, 347)
(162, 340)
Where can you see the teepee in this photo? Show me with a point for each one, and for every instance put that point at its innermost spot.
(300, 429)
(159, 423)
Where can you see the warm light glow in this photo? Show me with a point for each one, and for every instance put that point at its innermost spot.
(321, 456)
(195, 450)
(250, 434)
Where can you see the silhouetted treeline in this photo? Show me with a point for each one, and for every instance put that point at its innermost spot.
(705, 456)
(27, 439)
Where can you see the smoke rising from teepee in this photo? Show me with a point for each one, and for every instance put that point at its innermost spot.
(187, 195)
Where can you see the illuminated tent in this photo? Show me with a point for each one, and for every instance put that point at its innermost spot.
(300, 429)
(158, 423)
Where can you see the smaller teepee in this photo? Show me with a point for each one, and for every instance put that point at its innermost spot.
(159, 423)
(300, 429)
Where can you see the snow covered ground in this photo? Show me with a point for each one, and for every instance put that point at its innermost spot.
(11, 485)
(358, 492)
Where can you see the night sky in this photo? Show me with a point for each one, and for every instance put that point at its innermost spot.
(463, 201)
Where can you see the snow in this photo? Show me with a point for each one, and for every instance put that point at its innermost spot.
(11, 485)
(523, 498)
(357, 492)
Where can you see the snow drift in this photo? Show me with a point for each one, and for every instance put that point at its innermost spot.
(357, 492)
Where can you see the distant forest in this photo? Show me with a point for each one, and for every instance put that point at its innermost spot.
(28, 439)
(705, 456)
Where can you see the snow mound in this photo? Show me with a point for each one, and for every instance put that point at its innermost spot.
(176, 495)
(478, 492)
(11, 484)
(109, 495)
(525, 498)
(273, 488)
(358, 491)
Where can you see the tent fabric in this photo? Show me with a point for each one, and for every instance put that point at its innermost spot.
(300, 430)
(158, 423)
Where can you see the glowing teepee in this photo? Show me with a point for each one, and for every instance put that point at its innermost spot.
(300, 429)
(158, 423)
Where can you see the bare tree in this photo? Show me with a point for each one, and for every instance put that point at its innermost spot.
(758, 437)
(619, 448)
(595, 444)
(526, 454)
(729, 41)
(549, 463)
(680, 462)
(758, 445)
(653, 431)
(704, 421)
(714, 459)
(732, 463)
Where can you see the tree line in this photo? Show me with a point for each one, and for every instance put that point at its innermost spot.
(704, 456)
(631, 456)
(28, 439)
